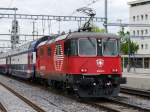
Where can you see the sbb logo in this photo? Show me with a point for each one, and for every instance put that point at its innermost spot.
(100, 63)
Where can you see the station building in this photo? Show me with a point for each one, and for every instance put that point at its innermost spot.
(139, 13)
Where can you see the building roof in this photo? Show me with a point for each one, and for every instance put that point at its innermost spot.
(137, 1)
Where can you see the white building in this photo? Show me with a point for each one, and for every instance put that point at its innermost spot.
(139, 13)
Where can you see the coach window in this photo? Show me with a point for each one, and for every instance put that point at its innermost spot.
(48, 51)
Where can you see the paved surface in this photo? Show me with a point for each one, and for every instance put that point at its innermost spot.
(138, 80)
(13, 103)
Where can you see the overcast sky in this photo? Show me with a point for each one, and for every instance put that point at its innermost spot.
(117, 9)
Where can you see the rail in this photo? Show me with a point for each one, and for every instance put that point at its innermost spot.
(2, 108)
(133, 91)
(31, 104)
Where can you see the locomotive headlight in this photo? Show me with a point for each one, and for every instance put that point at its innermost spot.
(83, 70)
(114, 70)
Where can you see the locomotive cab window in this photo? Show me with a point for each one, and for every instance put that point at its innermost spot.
(87, 47)
(110, 47)
(71, 47)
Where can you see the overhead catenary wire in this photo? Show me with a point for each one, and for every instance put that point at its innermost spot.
(87, 5)
(75, 11)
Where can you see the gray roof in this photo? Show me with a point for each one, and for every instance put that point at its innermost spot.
(91, 34)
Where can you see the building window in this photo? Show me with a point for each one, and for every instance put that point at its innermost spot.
(142, 32)
(146, 46)
(134, 32)
(146, 62)
(142, 46)
(133, 18)
(142, 17)
(137, 18)
(138, 32)
(139, 63)
(146, 16)
(146, 31)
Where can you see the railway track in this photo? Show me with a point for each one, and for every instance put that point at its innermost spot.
(114, 105)
(2, 108)
(119, 105)
(28, 102)
(126, 104)
(138, 92)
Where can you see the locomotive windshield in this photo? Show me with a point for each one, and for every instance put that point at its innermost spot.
(110, 47)
(100, 47)
(87, 47)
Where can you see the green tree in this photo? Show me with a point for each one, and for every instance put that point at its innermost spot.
(127, 46)
(97, 29)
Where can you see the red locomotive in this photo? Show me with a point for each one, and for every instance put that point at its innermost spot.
(86, 62)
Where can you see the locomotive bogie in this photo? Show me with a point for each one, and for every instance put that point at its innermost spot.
(96, 86)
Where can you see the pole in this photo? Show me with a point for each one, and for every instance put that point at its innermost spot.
(106, 16)
(33, 29)
(129, 53)
(15, 32)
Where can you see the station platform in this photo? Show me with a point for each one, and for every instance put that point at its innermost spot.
(137, 80)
